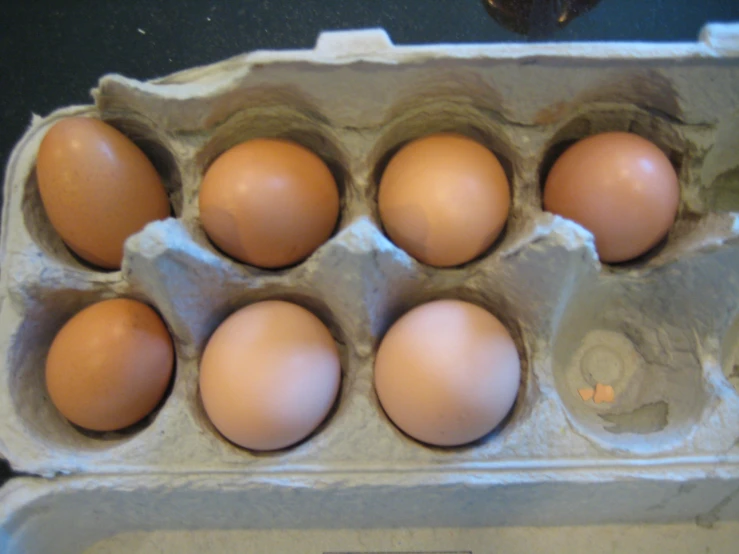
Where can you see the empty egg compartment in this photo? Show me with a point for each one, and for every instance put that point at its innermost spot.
(45, 442)
(628, 368)
(38, 236)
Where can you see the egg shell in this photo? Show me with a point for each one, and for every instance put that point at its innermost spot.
(269, 375)
(620, 187)
(444, 199)
(109, 366)
(269, 202)
(447, 372)
(98, 188)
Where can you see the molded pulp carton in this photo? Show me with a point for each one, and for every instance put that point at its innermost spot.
(667, 449)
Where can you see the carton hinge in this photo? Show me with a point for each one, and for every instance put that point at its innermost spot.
(353, 43)
(722, 38)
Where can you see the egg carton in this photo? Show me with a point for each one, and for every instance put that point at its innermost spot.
(663, 330)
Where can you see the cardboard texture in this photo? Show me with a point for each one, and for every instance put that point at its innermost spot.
(666, 447)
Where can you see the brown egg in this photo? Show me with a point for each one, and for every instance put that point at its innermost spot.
(444, 199)
(98, 188)
(620, 187)
(269, 375)
(110, 365)
(447, 373)
(269, 202)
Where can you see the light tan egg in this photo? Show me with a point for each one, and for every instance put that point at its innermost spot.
(620, 187)
(447, 372)
(269, 375)
(269, 202)
(444, 199)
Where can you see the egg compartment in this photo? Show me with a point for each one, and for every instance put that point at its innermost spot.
(285, 116)
(719, 339)
(640, 329)
(156, 256)
(26, 406)
(498, 306)
(646, 356)
(432, 113)
(359, 97)
(685, 145)
(155, 144)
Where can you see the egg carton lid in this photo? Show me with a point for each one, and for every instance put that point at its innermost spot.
(114, 514)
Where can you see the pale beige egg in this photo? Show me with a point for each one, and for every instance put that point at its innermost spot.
(269, 375)
(447, 372)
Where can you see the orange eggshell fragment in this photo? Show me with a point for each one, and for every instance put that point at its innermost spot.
(603, 393)
(269, 202)
(98, 188)
(447, 372)
(620, 187)
(444, 199)
(110, 365)
(269, 375)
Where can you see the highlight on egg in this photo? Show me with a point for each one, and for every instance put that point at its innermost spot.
(97, 188)
(447, 373)
(269, 202)
(269, 375)
(620, 187)
(444, 199)
(110, 365)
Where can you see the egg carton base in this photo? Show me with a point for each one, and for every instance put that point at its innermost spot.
(555, 462)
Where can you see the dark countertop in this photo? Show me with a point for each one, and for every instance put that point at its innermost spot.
(53, 52)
